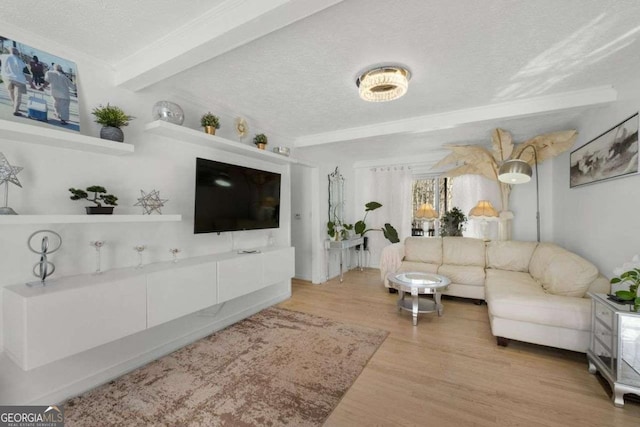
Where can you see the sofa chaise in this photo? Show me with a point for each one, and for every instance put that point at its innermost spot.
(535, 292)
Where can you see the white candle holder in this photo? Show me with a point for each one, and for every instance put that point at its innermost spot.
(139, 249)
(97, 244)
(175, 252)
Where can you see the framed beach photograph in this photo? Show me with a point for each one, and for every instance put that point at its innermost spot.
(37, 87)
(613, 154)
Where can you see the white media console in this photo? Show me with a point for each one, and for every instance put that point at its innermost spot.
(73, 314)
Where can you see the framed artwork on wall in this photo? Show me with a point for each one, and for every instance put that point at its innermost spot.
(613, 154)
(37, 87)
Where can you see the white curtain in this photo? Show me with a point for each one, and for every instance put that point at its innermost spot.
(466, 192)
(390, 186)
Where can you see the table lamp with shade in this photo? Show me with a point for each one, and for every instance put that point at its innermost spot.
(427, 215)
(484, 212)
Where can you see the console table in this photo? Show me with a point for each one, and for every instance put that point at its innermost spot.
(342, 245)
(615, 346)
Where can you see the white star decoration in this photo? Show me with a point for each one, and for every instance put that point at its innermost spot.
(151, 202)
(8, 173)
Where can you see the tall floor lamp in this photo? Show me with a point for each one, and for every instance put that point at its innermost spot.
(517, 171)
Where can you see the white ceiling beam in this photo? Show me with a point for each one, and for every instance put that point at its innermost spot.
(505, 110)
(424, 160)
(230, 25)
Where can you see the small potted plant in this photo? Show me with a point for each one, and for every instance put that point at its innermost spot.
(338, 231)
(631, 277)
(261, 141)
(99, 196)
(210, 123)
(452, 223)
(112, 119)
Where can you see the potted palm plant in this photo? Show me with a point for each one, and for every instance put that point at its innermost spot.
(112, 119)
(99, 196)
(210, 123)
(261, 141)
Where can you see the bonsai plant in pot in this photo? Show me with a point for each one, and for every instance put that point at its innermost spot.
(112, 119)
(210, 123)
(99, 196)
(261, 141)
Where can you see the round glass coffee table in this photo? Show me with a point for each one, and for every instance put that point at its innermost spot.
(417, 284)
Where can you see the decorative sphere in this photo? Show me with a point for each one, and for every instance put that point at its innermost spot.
(168, 112)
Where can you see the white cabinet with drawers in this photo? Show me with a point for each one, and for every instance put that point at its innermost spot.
(181, 290)
(66, 317)
(615, 346)
(73, 314)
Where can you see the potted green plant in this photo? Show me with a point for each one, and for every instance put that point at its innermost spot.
(452, 223)
(360, 227)
(99, 196)
(210, 123)
(261, 141)
(633, 278)
(112, 119)
(338, 231)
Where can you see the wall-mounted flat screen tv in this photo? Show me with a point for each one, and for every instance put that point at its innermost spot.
(231, 198)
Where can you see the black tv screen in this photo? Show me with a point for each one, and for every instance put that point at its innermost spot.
(231, 198)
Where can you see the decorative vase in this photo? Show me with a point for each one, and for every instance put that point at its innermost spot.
(112, 133)
(168, 112)
(261, 146)
(211, 130)
(99, 210)
(283, 151)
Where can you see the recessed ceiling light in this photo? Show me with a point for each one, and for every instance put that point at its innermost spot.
(384, 83)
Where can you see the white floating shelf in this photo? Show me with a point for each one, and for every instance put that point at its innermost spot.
(49, 136)
(84, 219)
(190, 136)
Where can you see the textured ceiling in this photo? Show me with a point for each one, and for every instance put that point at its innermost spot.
(299, 80)
(109, 30)
(462, 54)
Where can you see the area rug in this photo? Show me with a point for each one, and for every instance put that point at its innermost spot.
(277, 367)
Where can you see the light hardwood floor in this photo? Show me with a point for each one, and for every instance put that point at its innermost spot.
(448, 371)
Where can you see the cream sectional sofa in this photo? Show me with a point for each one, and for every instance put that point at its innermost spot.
(536, 292)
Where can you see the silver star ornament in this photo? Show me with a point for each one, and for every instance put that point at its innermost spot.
(8, 173)
(151, 202)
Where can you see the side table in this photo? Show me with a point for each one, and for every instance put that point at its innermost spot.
(342, 245)
(615, 346)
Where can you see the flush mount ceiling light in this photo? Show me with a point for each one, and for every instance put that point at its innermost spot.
(383, 83)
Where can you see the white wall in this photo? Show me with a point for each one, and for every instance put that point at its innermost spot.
(303, 198)
(599, 221)
(523, 205)
(158, 163)
(325, 159)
